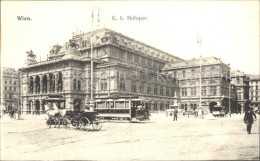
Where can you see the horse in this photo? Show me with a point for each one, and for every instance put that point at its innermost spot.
(54, 112)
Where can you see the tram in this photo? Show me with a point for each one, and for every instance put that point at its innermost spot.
(131, 109)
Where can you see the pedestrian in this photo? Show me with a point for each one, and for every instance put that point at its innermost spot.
(12, 113)
(19, 114)
(175, 113)
(239, 110)
(248, 119)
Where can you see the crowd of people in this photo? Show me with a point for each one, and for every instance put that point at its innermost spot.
(12, 113)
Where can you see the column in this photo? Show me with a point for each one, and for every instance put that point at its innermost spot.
(41, 84)
(69, 103)
(41, 106)
(33, 106)
(30, 104)
(64, 78)
(34, 85)
(26, 85)
(25, 105)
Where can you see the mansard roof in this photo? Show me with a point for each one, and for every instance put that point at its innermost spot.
(236, 73)
(193, 63)
(254, 77)
(125, 41)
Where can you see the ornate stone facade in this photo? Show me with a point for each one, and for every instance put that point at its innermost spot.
(9, 88)
(214, 83)
(241, 81)
(255, 90)
(123, 67)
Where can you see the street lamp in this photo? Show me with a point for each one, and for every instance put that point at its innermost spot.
(229, 99)
(18, 96)
(200, 114)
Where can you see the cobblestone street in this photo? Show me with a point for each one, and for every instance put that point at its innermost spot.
(157, 139)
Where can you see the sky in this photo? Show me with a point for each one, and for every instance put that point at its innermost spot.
(229, 29)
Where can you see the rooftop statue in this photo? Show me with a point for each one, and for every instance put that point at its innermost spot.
(30, 55)
(73, 44)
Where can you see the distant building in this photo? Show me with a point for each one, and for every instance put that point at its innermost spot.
(10, 88)
(214, 83)
(255, 90)
(241, 81)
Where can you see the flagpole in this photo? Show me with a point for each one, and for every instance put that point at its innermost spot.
(229, 102)
(200, 104)
(91, 104)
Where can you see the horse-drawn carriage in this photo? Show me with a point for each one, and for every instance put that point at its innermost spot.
(83, 120)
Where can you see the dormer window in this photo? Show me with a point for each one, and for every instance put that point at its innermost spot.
(183, 74)
(104, 39)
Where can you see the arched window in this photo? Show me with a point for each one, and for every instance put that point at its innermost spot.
(31, 85)
(74, 84)
(52, 82)
(60, 82)
(83, 43)
(193, 73)
(183, 74)
(122, 81)
(202, 72)
(37, 81)
(121, 76)
(44, 84)
(79, 85)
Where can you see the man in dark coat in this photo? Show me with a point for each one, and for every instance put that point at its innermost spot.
(249, 120)
(175, 113)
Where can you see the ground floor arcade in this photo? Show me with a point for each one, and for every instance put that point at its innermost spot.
(72, 102)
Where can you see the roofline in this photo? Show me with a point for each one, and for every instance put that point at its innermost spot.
(110, 30)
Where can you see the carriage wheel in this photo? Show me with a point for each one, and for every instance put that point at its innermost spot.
(56, 121)
(97, 125)
(51, 120)
(84, 124)
(66, 123)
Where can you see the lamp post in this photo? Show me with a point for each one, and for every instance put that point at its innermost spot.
(91, 102)
(229, 99)
(200, 105)
(18, 96)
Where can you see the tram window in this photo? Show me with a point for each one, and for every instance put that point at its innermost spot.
(62, 105)
(126, 104)
(101, 105)
(108, 105)
(120, 105)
